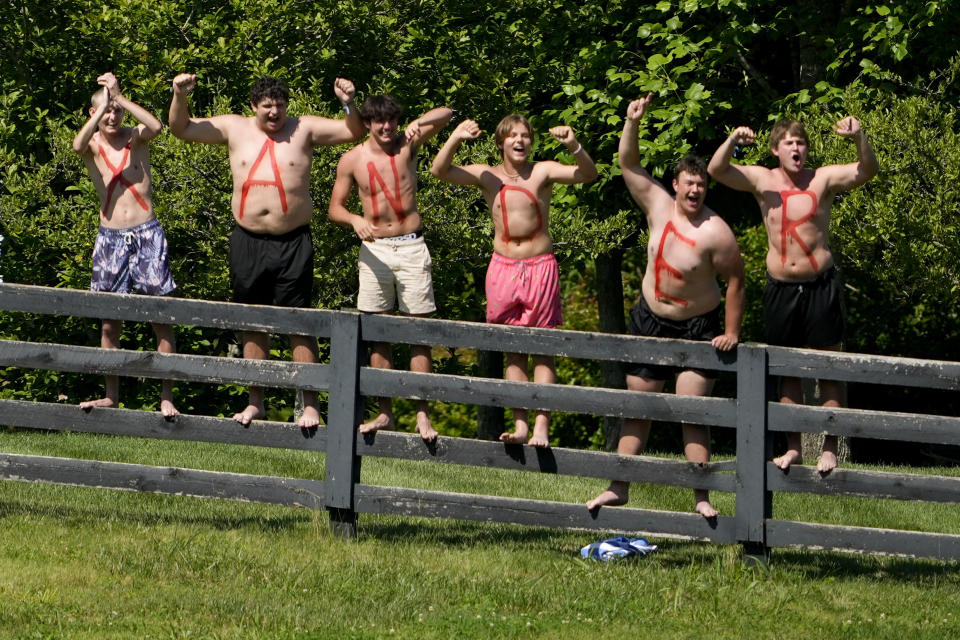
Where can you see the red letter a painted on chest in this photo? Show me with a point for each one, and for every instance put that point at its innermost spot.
(277, 182)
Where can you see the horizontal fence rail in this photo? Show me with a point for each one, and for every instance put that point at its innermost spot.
(347, 380)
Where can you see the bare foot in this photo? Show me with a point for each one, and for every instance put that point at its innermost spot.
(100, 402)
(540, 438)
(382, 421)
(706, 509)
(792, 456)
(518, 436)
(427, 432)
(252, 412)
(168, 410)
(309, 418)
(827, 462)
(616, 494)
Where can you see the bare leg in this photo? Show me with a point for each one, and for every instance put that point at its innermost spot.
(790, 393)
(380, 358)
(831, 392)
(420, 361)
(305, 350)
(544, 372)
(256, 346)
(633, 440)
(517, 371)
(109, 339)
(166, 344)
(696, 438)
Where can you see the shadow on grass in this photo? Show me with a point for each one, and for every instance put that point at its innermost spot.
(273, 522)
(820, 565)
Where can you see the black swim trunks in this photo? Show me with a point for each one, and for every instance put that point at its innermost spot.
(268, 269)
(805, 314)
(644, 322)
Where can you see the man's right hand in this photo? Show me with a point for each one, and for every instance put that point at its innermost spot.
(742, 136)
(637, 108)
(184, 83)
(363, 228)
(109, 82)
(467, 130)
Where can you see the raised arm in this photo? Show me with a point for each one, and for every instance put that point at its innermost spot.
(646, 192)
(205, 130)
(741, 178)
(728, 264)
(81, 142)
(427, 125)
(332, 131)
(338, 211)
(843, 177)
(150, 126)
(443, 166)
(583, 171)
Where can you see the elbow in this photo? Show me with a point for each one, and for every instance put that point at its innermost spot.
(76, 147)
(590, 174)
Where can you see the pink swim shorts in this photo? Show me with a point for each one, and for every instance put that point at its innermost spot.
(524, 292)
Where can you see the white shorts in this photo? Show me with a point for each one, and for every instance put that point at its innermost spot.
(396, 270)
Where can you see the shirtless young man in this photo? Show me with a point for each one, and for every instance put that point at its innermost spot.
(394, 260)
(271, 250)
(523, 279)
(130, 253)
(802, 301)
(689, 247)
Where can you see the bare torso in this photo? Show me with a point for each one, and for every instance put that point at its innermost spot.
(680, 281)
(120, 170)
(796, 214)
(271, 177)
(387, 183)
(520, 209)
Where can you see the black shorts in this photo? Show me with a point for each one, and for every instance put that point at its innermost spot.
(269, 269)
(644, 322)
(804, 314)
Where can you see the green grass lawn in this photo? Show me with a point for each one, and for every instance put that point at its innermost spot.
(86, 563)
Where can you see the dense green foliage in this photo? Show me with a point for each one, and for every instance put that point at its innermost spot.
(713, 64)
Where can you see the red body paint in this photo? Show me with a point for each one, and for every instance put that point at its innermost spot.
(506, 237)
(788, 226)
(118, 178)
(392, 198)
(662, 265)
(278, 183)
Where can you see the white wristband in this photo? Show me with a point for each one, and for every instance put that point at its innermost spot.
(578, 149)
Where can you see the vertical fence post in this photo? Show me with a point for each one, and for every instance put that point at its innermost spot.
(344, 410)
(753, 499)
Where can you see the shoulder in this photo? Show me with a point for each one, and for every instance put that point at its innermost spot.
(717, 229)
(349, 159)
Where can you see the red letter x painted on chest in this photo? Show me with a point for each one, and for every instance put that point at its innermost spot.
(506, 237)
(392, 198)
(277, 182)
(662, 265)
(789, 227)
(118, 178)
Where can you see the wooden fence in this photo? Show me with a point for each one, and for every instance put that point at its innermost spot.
(346, 379)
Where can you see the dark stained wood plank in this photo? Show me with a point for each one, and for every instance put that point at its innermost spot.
(753, 498)
(538, 513)
(345, 411)
(859, 367)
(564, 343)
(150, 424)
(869, 484)
(171, 366)
(223, 315)
(883, 425)
(555, 397)
(558, 460)
(916, 544)
(165, 480)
